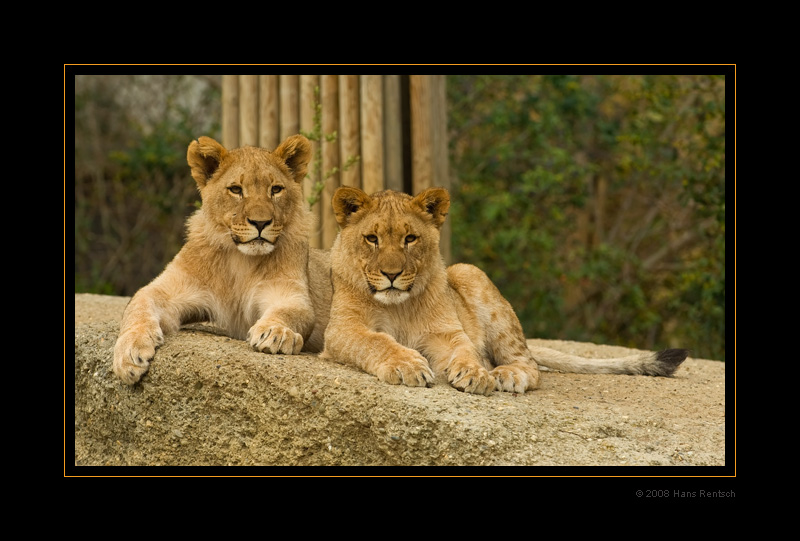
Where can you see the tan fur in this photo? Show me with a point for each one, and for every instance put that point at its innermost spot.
(399, 314)
(246, 264)
(397, 311)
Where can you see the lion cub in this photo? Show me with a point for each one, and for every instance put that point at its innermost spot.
(244, 266)
(398, 313)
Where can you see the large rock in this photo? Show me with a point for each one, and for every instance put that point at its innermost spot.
(211, 400)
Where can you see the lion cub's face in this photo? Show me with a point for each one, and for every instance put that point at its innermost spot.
(389, 242)
(249, 193)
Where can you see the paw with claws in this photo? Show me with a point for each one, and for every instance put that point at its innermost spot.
(134, 350)
(470, 377)
(410, 369)
(516, 377)
(275, 338)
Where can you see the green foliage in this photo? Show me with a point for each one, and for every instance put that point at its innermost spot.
(596, 203)
(133, 190)
(316, 135)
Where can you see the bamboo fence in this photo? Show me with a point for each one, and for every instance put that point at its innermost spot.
(395, 125)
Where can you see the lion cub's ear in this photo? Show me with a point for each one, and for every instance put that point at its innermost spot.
(433, 201)
(204, 156)
(295, 151)
(347, 201)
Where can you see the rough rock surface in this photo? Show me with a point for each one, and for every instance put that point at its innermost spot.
(209, 400)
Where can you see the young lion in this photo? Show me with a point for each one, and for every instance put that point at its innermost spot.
(399, 314)
(245, 264)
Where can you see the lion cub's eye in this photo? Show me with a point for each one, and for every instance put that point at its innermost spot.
(410, 238)
(277, 189)
(236, 190)
(372, 239)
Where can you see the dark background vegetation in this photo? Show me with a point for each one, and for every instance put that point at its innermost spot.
(595, 203)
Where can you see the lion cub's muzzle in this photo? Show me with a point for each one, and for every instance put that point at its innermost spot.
(256, 237)
(391, 287)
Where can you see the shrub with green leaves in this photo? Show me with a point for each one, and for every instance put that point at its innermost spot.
(596, 203)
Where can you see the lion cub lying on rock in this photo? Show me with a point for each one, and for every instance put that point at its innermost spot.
(246, 266)
(399, 314)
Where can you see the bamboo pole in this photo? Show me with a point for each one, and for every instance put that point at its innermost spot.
(372, 133)
(349, 128)
(439, 150)
(393, 132)
(429, 152)
(440, 153)
(329, 85)
(289, 106)
(268, 124)
(308, 84)
(230, 111)
(421, 166)
(248, 110)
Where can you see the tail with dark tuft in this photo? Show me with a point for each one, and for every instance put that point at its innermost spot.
(668, 360)
(663, 363)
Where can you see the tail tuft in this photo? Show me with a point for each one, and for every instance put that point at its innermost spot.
(668, 360)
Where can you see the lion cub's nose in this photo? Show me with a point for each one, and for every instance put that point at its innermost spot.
(391, 275)
(260, 225)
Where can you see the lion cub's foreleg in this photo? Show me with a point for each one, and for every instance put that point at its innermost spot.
(454, 355)
(286, 315)
(515, 368)
(150, 315)
(378, 354)
(282, 312)
(350, 340)
(490, 322)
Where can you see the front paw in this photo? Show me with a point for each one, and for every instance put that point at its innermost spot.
(516, 377)
(470, 377)
(275, 338)
(133, 352)
(412, 370)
